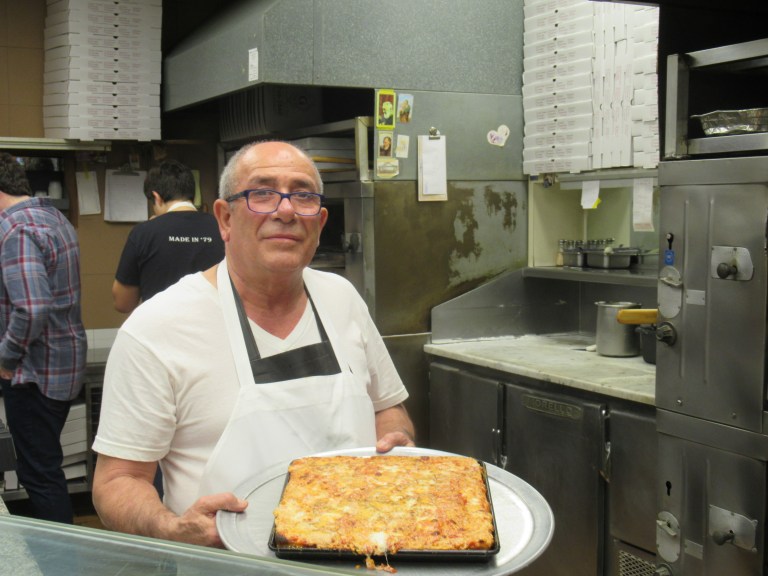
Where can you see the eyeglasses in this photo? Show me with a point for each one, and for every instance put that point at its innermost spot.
(266, 201)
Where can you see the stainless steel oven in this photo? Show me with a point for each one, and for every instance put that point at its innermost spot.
(711, 391)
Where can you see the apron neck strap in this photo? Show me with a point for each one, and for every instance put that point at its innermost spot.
(248, 337)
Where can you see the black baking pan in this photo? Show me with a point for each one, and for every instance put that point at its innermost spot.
(298, 553)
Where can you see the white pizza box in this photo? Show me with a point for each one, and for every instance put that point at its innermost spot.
(127, 112)
(101, 122)
(572, 165)
(74, 437)
(107, 6)
(11, 480)
(115, 65)
(55, 40)
(96, 99)
(557, 151)
(76, 410)
(554, 124)
(557, 138)
(558, 98)
(570, 26)
(551, 18)
(557, 112)
(87, 3)
(86, 28)
(581, 67)
(73, 425)
(98, 11)
(557, 83)
(97, 22)
(102, 52)
(114, 88)
(85, 74)
(91, 134)
(557, 42)
(73, 471)
(75, 448)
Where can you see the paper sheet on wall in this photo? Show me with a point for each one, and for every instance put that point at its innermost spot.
(642, 205)
(432, 172)
(88, 193)
(590, 194)
(124, 199)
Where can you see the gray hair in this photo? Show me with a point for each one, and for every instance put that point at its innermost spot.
(228, 178)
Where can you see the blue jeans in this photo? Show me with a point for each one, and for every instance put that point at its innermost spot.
(35, 423)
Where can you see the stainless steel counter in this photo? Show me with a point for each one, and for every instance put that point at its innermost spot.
(560, 359)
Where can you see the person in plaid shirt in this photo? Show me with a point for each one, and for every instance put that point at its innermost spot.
(43, 343)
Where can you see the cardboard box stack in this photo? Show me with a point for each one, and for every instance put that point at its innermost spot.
(102, 69)
(589, 86)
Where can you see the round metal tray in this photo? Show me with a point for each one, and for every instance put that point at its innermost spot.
(523, 518)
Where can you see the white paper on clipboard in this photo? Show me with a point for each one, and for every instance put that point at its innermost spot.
(124, 199)
(432, 172)
(87, 193)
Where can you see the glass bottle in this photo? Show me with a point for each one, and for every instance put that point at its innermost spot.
(560, 253)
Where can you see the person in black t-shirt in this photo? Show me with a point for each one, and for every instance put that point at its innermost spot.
(178, 241)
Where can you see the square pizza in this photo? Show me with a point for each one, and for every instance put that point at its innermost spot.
(381, 505)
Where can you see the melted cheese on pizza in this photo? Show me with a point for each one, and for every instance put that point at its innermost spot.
(382, 504)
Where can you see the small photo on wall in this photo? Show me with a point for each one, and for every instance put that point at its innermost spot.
(385, 109)
(385, 143)
(404, 108)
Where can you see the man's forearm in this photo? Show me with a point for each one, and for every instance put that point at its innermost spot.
(130, 505)
(394, 419)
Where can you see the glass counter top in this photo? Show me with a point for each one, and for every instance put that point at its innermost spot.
(39, 548)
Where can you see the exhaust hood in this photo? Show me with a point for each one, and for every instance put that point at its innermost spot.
(350, 44)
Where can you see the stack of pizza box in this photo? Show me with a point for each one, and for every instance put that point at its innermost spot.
(102, 69)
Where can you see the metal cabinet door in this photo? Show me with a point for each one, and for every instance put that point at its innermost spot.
(709, 490)
(464, 413)
(555, 443)
(633, 476)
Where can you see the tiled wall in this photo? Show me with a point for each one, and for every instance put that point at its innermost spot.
(21, 67)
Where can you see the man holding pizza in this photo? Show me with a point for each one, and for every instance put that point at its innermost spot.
(243, 367)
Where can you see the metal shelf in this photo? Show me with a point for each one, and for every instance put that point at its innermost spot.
(54, 144)
(624, 277)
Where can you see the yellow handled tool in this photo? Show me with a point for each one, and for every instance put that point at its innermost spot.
(637, 316)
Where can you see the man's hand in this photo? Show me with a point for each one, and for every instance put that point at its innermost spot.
(392, 439)
(394, 428)
(6, 374)
(198, 524)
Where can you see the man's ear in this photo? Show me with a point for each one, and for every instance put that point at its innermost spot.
(221, 211)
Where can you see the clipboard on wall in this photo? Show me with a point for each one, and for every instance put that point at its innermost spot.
(124, 199)
(432, 169)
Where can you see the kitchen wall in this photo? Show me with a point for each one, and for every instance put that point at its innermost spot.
(21, 67)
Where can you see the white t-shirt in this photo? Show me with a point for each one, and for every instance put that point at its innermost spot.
(170, 383)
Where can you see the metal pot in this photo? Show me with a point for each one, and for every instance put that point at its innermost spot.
(613, 338)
